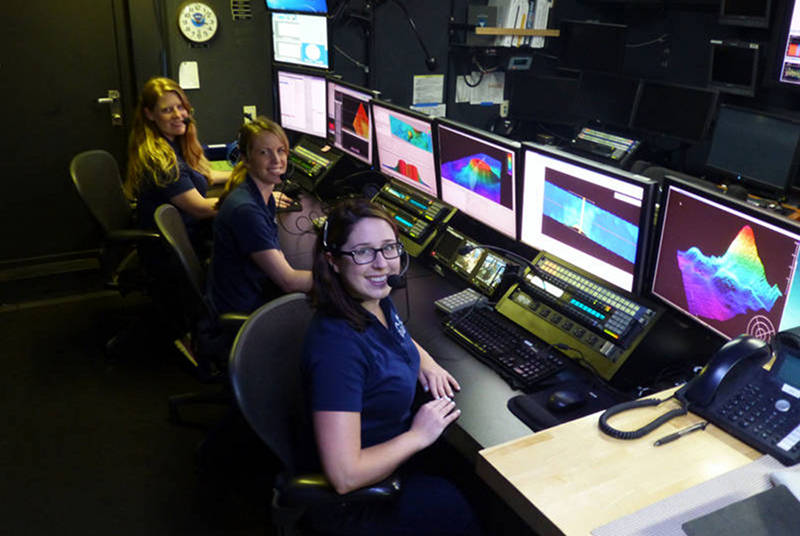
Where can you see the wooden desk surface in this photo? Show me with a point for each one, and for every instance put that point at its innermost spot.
(572, 478)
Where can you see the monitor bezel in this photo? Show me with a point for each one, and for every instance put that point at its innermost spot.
(416, 115)
(277, 101)
(749, 21)
(512, 146)
(735, 89)
(646, 217)
(281, 63)
(761, 186)
(713, 93)
(280, 10)
(715, 196)
(334, 79)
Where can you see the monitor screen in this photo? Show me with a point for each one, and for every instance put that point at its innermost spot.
(306, 6)
(592, 45)
(680, 112)
(753, 13)
(755, 148)
(549, 99)
(733, 67)
(404, 141)
(477, 173)
(349, 119)
(300, 39)
(735, 276)
(591, 216)
(790, 60)
(301, 98)
(607, 98)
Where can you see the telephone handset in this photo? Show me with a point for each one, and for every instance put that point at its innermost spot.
(736, 357)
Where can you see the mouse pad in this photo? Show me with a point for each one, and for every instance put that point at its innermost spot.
(771, 512)
(532, 409)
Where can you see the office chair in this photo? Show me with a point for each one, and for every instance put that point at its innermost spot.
(264, 369)
(210, 334)
(96, 177)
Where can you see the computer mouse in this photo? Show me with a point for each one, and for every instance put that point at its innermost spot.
(566, 399)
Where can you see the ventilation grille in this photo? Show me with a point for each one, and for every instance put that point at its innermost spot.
(241, 10)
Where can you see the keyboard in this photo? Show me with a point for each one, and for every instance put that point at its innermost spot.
(518, 356)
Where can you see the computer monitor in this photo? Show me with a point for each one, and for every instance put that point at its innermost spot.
(477, 174)
(733, 67)
(301, 102)
(606, 98)
(350, 119)
(755, 148)
(736, 275)
(752, 13)
(305, 6)
(592, 45)
(681, 112)
(548, 99)
(789, 72)
(595, 217)
(404, 142)
(300, 39)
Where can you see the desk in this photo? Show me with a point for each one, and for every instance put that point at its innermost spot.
(572, 478)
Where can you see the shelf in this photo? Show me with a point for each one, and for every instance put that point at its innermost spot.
(514, 31)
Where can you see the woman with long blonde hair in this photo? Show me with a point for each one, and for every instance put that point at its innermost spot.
(166, 163)
(248, 267)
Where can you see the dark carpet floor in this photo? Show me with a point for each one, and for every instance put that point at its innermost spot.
(86, 446)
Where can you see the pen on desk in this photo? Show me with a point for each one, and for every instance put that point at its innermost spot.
(680, 433)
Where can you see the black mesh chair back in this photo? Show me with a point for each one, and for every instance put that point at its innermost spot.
(171, 226)
(264, 369)
(96, 177)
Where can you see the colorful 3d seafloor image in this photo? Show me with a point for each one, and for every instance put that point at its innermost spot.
(735, 283)
(409, 134)
(361, 122)
(479, 173)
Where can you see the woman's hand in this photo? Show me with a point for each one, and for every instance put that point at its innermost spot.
(432, 418)
(436, 380)
(282, 200)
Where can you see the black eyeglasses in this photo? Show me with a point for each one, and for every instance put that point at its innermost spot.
(368, 255)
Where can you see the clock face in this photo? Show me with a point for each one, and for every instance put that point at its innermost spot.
(197, 21)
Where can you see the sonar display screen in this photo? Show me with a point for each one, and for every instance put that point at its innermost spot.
(730, 270)
(478, 177)
(405, 147)
(584, 216)
(349, 123)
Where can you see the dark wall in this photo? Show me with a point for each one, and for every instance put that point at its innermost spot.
(234, 67)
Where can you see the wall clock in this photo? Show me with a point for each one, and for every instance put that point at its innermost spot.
(197, 21)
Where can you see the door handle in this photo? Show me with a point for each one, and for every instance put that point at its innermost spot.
(114, 106)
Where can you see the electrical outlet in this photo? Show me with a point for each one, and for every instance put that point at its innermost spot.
(504, 109)
(249, 113)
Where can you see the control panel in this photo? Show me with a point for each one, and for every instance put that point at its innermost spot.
(481, 268)
(418, 216)
(565, 305)
(311, 162)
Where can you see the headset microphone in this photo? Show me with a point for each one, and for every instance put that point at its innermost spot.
(187, 120)
(399, 280)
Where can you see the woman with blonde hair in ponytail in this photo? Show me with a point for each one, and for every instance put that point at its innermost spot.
(166, 163)
(248, 267)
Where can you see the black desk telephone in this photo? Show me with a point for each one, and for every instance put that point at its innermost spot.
(760, 407)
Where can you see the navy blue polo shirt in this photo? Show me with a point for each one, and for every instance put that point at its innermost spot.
(373, 372)
(244, 225)
(153, 196)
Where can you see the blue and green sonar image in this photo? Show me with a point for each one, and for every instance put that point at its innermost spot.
(722, 287)
(600, 226)
(407, 133)
(479, 173)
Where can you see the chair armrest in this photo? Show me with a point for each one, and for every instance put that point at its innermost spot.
(314, 489)
(132, 235)
(232, 320)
